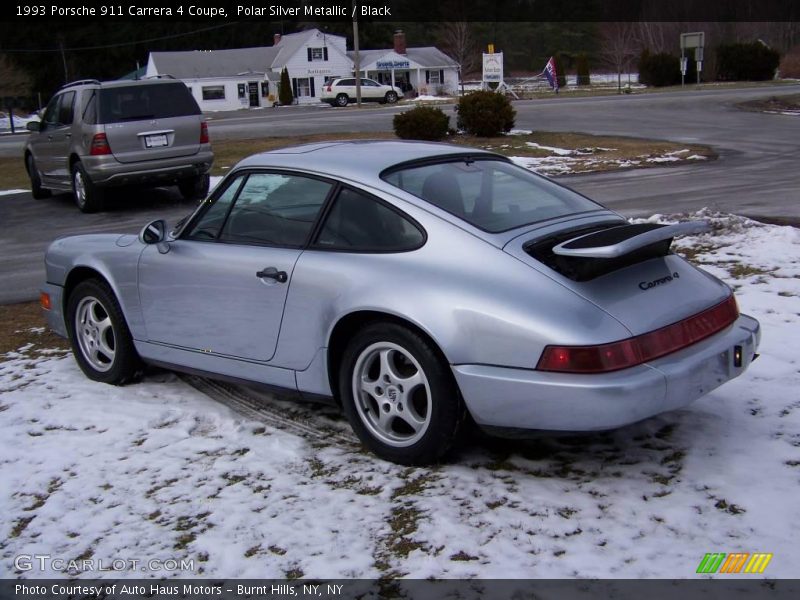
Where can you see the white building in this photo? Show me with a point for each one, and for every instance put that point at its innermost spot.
(249, 77)
(427, 70)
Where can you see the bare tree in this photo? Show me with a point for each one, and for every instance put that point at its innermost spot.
(457, 41)
(13, 81)
(617, 47)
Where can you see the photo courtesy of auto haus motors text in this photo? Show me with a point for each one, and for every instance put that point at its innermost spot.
(122, 591)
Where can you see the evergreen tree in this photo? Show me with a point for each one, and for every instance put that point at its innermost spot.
(582, 68)
(285, 94)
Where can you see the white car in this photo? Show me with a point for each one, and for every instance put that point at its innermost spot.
(340, 92)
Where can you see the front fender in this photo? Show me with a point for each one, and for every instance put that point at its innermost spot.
(113, 257)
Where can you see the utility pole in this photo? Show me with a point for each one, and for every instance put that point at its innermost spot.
(63, 60)
(357, 58)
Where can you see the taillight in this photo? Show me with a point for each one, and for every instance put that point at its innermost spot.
(329, 87)
(99, 145)
(204, 133)
(642, 348)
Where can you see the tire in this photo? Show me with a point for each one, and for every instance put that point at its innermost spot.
(195, 188)
(391, 97)
(100, 338)
(88, 196)
(37, 191)
(399, 395)
(342, 100)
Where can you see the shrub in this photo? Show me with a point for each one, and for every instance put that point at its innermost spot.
(664, 69)
(790, 64)
(753, 61)
(485, 114)
(421, 123)
(582, 67)
(285, 94)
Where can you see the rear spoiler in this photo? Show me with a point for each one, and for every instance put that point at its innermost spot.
(619, 241)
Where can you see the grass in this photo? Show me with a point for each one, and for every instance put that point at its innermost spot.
(773, 104)
(20, 324)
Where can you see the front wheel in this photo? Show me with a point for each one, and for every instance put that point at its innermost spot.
(391, 97)
(399, 396)
(100, 339)
(88, 196)
(342, 100)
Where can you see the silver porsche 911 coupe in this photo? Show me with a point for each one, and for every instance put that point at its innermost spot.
(416, 285)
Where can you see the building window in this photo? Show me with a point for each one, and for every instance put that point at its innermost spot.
(214, 92)
(242, 90)
(302, 87)
(317, 54)
(434, 77)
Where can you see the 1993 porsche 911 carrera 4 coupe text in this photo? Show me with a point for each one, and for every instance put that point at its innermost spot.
(413, 283)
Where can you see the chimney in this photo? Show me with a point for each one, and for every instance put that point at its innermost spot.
(276, 38)
(399, 42)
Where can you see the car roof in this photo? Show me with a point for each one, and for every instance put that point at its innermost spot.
(92, 83)
(359, 160)
(363, 161)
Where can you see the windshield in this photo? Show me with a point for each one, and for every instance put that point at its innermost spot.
(491, 194)
(138, 102)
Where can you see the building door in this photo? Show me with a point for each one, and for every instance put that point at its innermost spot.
(252, 88)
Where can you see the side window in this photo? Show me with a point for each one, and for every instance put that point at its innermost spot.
(65, 107)
(359, 223)
(90, 111)
(50, 117)
(275, 209)
(208, 226)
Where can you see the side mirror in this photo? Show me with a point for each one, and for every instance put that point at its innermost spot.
(33, 126)
(155, 232)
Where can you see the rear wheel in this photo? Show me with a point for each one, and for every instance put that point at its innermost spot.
(100, 339)
(37, 191)
(399, 396)
(391, 97)
(342, 100)
(88, 196)
(195, 188)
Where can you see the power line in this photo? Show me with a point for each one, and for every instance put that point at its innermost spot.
(121, 44)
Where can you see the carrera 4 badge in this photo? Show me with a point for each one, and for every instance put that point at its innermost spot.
(649, 285)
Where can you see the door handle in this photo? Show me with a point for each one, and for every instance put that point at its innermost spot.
(273, 273)
(67, 135)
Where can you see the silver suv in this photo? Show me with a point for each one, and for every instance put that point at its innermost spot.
(94, 136)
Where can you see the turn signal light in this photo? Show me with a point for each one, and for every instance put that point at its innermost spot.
(634, 351)
(99, 146)
(44, 301)
(204, 133)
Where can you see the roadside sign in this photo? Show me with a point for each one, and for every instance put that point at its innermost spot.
(696, 39)
(684, 65)
(493, 68)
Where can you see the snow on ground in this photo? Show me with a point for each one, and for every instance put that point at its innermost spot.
(158, 470)
(563, 161)
(20, 123)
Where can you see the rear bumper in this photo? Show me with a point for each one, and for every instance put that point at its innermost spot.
(527, 399)
(106, 171)
(55, 316)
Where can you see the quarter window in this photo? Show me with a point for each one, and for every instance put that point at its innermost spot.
(275, 209)
(357, 222)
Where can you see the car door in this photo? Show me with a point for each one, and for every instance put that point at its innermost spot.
(54, 141)
(221, 287)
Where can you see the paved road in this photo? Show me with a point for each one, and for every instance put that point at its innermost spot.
(758, 173)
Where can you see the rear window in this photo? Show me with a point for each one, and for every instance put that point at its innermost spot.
(493, 195)
(139, 102)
